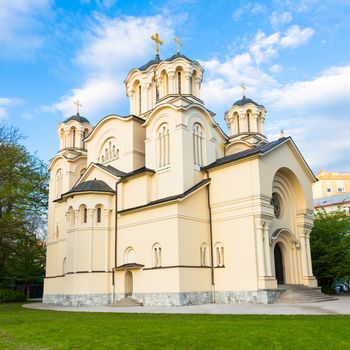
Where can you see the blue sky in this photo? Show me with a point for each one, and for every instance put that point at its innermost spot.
(294, 57)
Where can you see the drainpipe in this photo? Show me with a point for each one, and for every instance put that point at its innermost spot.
(211, 243)
(115, 238)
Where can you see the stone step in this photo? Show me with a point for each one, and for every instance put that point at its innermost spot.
(295, 294)
(127, 302)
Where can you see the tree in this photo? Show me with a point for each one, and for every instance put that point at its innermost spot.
(330, 248)
(23, 202)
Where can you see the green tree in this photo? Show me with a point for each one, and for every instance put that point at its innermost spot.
(23, 201)
(330, 248)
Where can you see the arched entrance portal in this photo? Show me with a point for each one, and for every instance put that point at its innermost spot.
(128, 284)
(279, 264)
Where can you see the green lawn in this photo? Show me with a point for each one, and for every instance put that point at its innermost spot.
(33, 329)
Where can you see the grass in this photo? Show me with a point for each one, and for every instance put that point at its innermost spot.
(22, 328)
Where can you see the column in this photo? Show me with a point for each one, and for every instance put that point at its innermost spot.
(66, 139)
(303, 253)
(308, 252)
(259, 226)
(171, 82)
(198, 87)
(187, 83)
(255, 124)
(76, 223)
(131, 95)
(261, 125)
(106, 213)
(242, 123)
(91, 232)
(145, 105)
(267, 248)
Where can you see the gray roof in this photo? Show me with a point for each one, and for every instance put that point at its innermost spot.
(157, 60)
(111, 169)
(244, 101)
(247, 153)
(331, 200)
(77, 118)
(90, 186)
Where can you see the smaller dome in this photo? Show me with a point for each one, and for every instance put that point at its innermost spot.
(156, 60)
(244, 101)
(177, 55)
(91, 186)
(77, 118)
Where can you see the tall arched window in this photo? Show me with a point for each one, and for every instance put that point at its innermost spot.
(73, 138)
(99, 215)
(59, 180)
(157, 255)
(163, 146)
(219, 254)
(248, 121)
(198, 139)
(204, 255)
(83, 214)
(179, 82)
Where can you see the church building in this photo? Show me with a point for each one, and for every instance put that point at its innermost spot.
(162, 206)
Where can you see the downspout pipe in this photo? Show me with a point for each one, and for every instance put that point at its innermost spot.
(211, 242)
(115, 238)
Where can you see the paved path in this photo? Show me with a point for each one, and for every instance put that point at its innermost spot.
(334, 307)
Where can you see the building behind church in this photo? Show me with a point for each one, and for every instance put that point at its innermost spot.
(163, 206)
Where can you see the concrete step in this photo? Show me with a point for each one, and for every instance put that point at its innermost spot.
(295, 294)
(127, 302)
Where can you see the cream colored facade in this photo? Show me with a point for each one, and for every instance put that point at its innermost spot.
(330, 184)
(162, 205)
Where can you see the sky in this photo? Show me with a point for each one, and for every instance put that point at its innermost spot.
(294, 57)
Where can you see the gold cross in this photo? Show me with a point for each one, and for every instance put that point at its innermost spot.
(78, 104)
(158, 41)
(244, 88)
(179, 44)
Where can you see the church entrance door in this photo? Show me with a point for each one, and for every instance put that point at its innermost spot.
(128, 284)
(279, 264)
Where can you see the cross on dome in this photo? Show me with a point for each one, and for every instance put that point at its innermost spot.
(179, 43)
(78, 104)
(157, 41)
(244, 88)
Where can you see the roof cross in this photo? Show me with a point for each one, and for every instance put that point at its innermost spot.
(78, 104)
(157, 41)
(179, 43)
(244, 88)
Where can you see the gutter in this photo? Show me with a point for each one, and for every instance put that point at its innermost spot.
(211, 242)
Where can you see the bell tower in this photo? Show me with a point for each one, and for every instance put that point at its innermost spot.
(245, 122)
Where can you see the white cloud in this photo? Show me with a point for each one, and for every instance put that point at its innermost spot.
(113, 47)
(330, 88)
(277, 19)
(295, 36)
(19, 24)
(247, 9)
(6, 103)
(264, 47)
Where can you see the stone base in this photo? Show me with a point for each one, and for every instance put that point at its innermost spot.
(266, 296)
(78, 299)
(168, 299)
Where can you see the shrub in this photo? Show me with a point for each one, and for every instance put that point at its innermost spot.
(11, 295)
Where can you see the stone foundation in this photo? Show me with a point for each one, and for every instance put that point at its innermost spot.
(78, 299)
(266, 296)
(168, 299)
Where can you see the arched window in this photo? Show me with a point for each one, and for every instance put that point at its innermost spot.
(140, 100)
(84, 214)
(219, 254)
(163, 146)
(129, 255)
(204, 255)
(198, 138)
(98, 215)
(59, 180)
(108, 151)
(73, 137)
(71, 216)
(157, 255)
(248, 121)
(179, 83)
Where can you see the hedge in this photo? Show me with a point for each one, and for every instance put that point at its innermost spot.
(11, 295)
